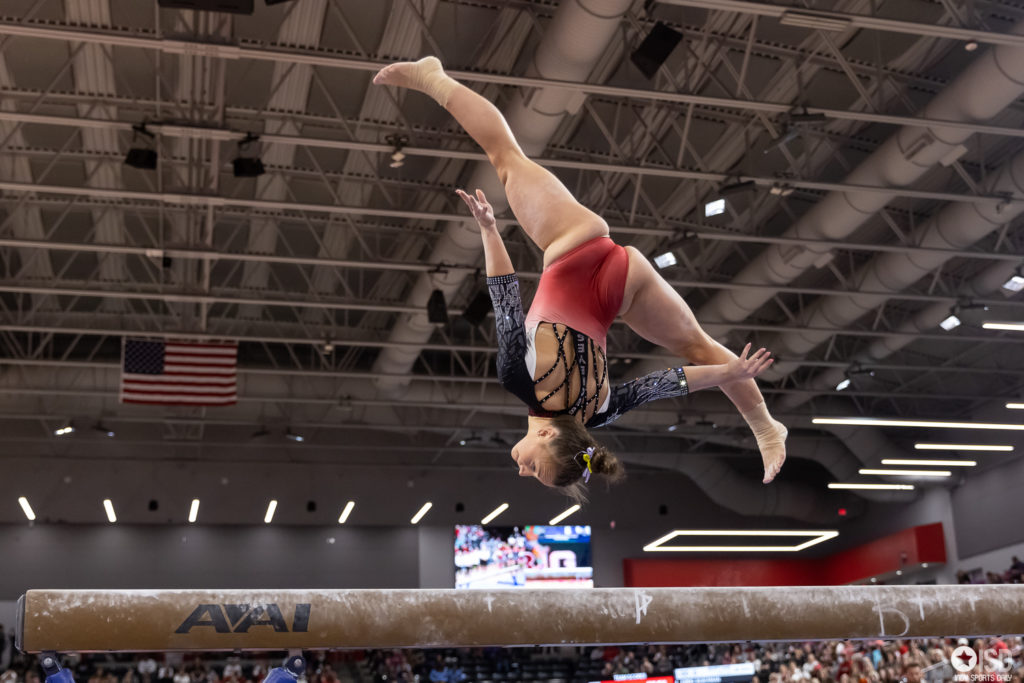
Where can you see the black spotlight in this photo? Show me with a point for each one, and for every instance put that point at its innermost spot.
(248, 164)
(154, 505)
(246, 167)
(310, 506)
(655, 49)
(437, 309)
(459, 507)
(478, 308)
(141, 157)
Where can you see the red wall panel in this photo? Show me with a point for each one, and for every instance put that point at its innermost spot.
(887, 554)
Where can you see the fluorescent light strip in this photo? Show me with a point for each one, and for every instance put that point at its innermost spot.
(929, 463)
(873, 487)
(560, 517)
(193, 512)
(494, 513)
(109, 507)
(1013, 327)
(1015, 406)
(346, 512)
(816, 538)
(271, 509)
(906, 473)
(960, 447)
(27, 509)
(419, 515)
(882, 422)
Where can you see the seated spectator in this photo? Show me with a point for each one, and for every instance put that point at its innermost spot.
(165, 673)
(1016, 571)
(232, 668)
(912, 673)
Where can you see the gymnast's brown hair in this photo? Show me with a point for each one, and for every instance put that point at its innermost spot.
(567, 449)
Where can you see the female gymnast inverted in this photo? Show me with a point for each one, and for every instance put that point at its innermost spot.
(555, 359)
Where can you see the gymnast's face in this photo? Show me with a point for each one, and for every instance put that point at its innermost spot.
(532, 456)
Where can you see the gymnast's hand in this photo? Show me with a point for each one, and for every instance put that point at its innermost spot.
(744, 367)
(481, 209)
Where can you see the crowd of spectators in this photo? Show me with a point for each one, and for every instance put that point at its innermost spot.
(895, 661)
(1015, 574)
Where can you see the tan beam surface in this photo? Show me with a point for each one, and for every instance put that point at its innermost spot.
(136, 620)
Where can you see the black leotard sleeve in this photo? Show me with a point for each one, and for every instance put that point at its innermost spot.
(667, 383)
(509, 320)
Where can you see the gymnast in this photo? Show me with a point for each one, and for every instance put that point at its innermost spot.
(555, 359)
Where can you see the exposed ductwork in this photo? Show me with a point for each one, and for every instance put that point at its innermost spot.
(578, 35)
(986, 87)
(955, 227)
(986, 283)
(291, 82)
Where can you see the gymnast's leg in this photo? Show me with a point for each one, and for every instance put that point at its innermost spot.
(655, 311)
(545, 209)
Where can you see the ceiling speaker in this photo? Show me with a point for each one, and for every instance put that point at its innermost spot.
(655, 49)
(232, 6)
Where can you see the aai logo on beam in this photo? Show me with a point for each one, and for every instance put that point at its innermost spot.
(231, 618)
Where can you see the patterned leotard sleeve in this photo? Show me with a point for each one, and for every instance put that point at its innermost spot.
(509, 320)
(667, 383)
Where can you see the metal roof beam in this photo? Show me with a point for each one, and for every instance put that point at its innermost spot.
(468, 379)
(798, 16)
(226, 135)
(315, 57)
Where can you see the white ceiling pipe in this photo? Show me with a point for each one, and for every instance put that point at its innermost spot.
(301, 27)
(986, 87)
(579, 33)
(987, 282)
(957, 226)
(26, 220)
(93, 72)
(403, 38)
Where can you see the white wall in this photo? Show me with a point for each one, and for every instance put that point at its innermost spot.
(989, 507)
(159, 556)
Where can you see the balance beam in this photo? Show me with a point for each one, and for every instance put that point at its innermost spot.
(182, 620)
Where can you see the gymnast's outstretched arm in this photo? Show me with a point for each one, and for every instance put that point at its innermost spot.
(679, 381)
(496, 259)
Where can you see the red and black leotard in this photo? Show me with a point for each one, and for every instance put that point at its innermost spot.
(579, 295)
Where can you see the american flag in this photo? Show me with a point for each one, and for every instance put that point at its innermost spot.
(179, 373)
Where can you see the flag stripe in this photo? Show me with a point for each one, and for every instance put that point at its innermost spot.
(181, 379)
(179, 369)
(180, 400)
(160, 390)
(209, 349)
(198, 361)
(156, 372)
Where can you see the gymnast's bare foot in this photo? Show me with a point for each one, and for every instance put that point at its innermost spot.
(772, 444)
(409, 74)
